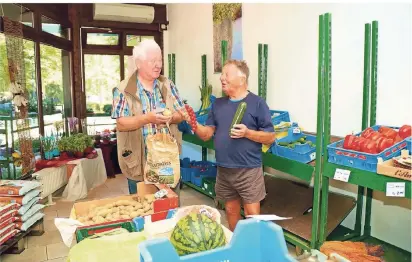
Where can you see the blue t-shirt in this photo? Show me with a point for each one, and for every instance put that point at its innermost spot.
(239, 152)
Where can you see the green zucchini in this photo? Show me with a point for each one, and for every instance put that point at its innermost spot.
(240, 111)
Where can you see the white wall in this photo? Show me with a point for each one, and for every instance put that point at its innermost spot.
(291, 32)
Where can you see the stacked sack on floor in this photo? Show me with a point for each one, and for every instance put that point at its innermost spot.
(19, 205)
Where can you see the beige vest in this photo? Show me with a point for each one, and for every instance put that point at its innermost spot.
(133, 165)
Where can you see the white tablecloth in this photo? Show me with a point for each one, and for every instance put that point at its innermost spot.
(88, 174)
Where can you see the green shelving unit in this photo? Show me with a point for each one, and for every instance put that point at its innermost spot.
(363, 179)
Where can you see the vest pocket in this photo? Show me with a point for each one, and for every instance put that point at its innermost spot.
(131, 165)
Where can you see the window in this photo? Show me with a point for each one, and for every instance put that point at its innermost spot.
(17, 13)
(52, 27)
(133, 40)
(102, 74)
(7, 115)
(55, 83)
(102, 39)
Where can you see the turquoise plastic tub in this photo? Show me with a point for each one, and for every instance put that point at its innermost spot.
(252, 241)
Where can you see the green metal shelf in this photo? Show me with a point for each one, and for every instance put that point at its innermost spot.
(366, 179)
(297, 169)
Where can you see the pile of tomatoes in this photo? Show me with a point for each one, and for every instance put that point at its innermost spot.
(192, 116)
(374, 142)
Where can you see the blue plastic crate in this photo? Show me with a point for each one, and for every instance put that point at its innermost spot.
(302, 153)
(280, 116)
(364, 161)
(252, 241)
(408, 144)
(185, 170)
(140, 221)
(201, 169)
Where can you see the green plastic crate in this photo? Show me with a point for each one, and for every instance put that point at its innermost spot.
(208, 184)
(85, 232)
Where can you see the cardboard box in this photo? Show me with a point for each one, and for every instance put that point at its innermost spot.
(387, 168)
(160, 206)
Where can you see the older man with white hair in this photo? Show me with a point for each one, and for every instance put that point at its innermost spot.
(137, 102)
(238, 150)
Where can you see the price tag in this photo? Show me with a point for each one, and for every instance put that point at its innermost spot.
(395, 189)
(341, 175)
(296, 130)
(313, 156)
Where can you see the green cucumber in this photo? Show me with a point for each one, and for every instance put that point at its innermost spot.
(240, 111)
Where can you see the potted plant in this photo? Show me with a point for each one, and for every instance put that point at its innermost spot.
(106, 136)
(89, 144)
(64, 147)
(79, 145)
(47, 143)
(97, 138)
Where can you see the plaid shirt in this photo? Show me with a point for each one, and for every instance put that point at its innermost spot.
(150, 101)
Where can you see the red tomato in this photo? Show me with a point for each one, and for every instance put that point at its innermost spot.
(375, 135)
(367, 132)
(398, 139)
(388, 132)
(405, 131)
(384, 144)
(370, 147)
(348, 142)
(359, 143)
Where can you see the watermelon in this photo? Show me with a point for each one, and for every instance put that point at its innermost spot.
(196, 233)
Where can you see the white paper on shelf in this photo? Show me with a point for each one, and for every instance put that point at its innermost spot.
(268, 217)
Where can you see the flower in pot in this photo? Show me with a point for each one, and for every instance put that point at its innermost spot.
(106, 136)
(47, 143)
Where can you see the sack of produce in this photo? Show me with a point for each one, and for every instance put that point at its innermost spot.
(211, 212)
(17, 187)
(22, 200)
(162, 164)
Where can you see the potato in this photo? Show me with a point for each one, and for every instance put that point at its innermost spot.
(109, 217)
(124, 203)
(103, 212)
(108, 206)
(147, 207)
(121, 207)
(138, 206)
(82, 219)
(116, 215)
(98, 219)
(115, 210)
(124, 212)
(134, 214)
(149, 198)
(125, 217)
(88, 223)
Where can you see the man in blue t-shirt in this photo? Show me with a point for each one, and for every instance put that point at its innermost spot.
(239, 154)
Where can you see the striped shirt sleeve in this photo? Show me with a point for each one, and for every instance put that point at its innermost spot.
(178, 102)
(119, 106)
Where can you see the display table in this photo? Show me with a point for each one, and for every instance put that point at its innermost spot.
(86, 175)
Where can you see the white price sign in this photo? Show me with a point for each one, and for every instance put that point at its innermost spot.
(296, 130)
(395, 189)
(341, 175)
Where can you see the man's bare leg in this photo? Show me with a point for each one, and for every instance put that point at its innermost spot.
(251, 209)
(232, 208)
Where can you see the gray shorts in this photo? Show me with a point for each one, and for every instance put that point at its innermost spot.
(247, 184)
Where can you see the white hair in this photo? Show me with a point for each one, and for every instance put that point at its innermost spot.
(140, 51)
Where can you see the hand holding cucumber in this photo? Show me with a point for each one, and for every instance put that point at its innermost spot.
(238, 131)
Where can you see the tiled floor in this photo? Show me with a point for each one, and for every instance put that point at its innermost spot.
(49, 247)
